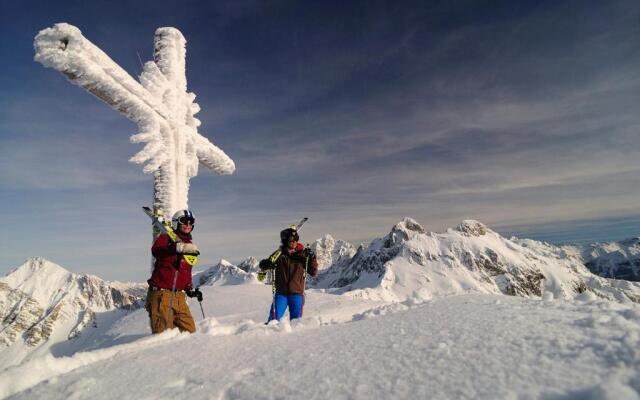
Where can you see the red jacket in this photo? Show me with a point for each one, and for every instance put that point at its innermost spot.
(164, 251)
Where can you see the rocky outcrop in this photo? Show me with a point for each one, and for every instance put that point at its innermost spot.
(249, 265)
(371, 259)
(330, 251)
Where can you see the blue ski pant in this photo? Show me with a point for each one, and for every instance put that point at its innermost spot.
(295, 302)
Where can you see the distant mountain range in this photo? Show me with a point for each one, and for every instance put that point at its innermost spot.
(617, 260)
(411, 263)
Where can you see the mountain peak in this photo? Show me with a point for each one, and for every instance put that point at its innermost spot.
(472, 227)
(38, 277)
(41, 302)
(249, 265)
(409, 224)
(403, 231)
(330, 251)
(327, 238)
(38, 265)
(224, 263)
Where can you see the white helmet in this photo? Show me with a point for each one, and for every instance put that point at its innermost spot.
(181, 217)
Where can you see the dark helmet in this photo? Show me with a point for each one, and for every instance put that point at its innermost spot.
(289, 234)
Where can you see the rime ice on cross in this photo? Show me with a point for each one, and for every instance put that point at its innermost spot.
(159, 104)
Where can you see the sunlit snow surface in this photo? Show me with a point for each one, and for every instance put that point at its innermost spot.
(471, 346)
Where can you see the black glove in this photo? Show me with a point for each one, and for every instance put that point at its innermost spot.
(194, 293)
(266, 264)
(309, 253)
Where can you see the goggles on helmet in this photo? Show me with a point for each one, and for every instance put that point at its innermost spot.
(186, 220)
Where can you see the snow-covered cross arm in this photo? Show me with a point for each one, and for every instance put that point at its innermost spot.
(159, 104)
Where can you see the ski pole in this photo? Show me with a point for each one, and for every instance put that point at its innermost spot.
(201, 309)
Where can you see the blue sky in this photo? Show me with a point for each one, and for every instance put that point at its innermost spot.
(521, 114)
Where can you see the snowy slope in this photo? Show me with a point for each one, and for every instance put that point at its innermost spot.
(460, 347)
(412, 263)
(42, 304)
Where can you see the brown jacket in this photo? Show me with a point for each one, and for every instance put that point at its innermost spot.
(289, 270)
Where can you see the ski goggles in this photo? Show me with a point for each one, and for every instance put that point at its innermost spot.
(186, 221)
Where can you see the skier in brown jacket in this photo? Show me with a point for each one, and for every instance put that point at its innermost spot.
(291, 263)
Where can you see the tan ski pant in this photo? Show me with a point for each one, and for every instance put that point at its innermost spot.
(163, 317)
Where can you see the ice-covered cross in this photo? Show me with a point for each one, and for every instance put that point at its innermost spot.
(159, 104)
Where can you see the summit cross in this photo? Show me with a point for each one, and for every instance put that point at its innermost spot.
(158, 104)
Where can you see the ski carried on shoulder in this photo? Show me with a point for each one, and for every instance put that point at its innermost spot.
(267, 277)
(161, 225)
(274, 256)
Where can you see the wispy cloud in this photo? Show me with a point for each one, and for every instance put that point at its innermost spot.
(512, 113)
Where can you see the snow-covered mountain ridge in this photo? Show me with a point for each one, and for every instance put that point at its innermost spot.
(412, 263)
(618, 260)
(42, 303)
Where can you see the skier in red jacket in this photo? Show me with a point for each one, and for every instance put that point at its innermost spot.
(170, 281)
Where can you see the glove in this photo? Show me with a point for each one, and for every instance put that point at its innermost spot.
(261, 276)
(309, 253)
(266, 264)
(194, 293)
(187, 248)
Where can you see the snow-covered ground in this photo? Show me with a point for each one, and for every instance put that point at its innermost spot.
(474, 346)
